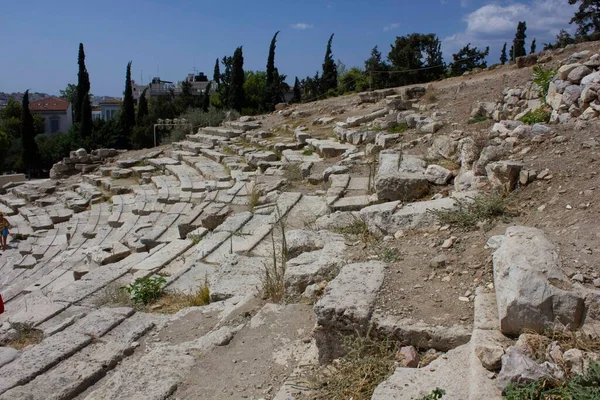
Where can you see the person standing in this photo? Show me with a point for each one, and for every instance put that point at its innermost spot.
(4, 225)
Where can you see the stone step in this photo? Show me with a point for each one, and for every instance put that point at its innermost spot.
(192, 147)
(243, 126)
(209, 140)
(158, 260)
(222, 132)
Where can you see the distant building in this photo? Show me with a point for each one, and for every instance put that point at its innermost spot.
(56, 113)
(96, 113)
(109, 108)
(158, 87)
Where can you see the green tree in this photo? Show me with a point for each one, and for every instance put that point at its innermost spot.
(297, 94)
(83, 85)
(416, 58)
(587, 17)
(329, 78)
(273, 95)
(236, 93)
(142, 111)
(519, 41)
(31, 154)
(377, 70)
(503, 56)
(70, 94)
(255, 88)
(86, 125)
(217, 73)
(127, 114)
(223, 96)
(533, 47)
(10, 119)
(186, 98)
(206, 97)
(468, 58)
(353, 80)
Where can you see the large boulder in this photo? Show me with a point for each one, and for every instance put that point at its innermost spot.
(577, 74)
(504, 174)
(531, 290)
(400, 177)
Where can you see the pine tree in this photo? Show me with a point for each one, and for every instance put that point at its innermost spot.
(503, 56)
(236, 93)
(83, 84)
(142, 111)
(86, 117)
(519, 41)
(217, 73)
(127, 114)
(206, 98)
(273, 95)
(329, 78)
(467, 59)
(533, 46)
(31, 153)
(511, 53)
(587, 17)
(376, 70)
(297, 95)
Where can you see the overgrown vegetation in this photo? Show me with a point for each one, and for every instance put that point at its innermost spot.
(537, 116)
(273, 284)
(253, 196)
(358, 227)
(26, 335)
(435, 394)
(292, 172)
(400, 128)
(478, 119)
(146, 290)
(367, 363)
(579, 387)
(472, 211)
(542, 78)
(171, 302)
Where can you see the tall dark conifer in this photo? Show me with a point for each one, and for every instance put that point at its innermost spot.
(533, 47)
(142, 109)
(503, 56)
(297, 94)
(236, 94)
(83, 85)
(31, 153)
(86, 117)
(206, 97)
(217, 73)
(273, 91)
(329, 79)
(127, 114)
(519, 40)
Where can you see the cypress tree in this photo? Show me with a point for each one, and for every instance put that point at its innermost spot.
(272, 96)
(86, 117)
(142, 109)
(217, 73)
(206, 98)
(236, 93)
(127, 114)
(519, 40)
(533, 46)
(297, 95)
(329, 79)
(31, 153)
(503, 56)
(83, 84)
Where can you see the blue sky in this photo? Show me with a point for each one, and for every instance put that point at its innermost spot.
(40, 38)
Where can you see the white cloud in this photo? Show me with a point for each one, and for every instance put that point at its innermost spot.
(390, 27)
(301, 26)
(496, 23)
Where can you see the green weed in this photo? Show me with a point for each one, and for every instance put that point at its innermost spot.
(145, 290)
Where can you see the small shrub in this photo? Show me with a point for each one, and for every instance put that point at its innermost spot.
(359, 228)
(435, 394)
(307, 151)
(253, 196)
(146, 290)
(292, 172)
(581, 387)
(273, 283)
(400, 128)
(482, 208)
(478, 119)
(26, 335)
(539, 115)
(542, 78)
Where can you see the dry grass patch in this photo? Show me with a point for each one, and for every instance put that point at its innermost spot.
(292, 172)
(368, 362)
(172, 302)
(26, 335)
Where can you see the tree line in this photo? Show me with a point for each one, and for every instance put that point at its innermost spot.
(412, 59)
